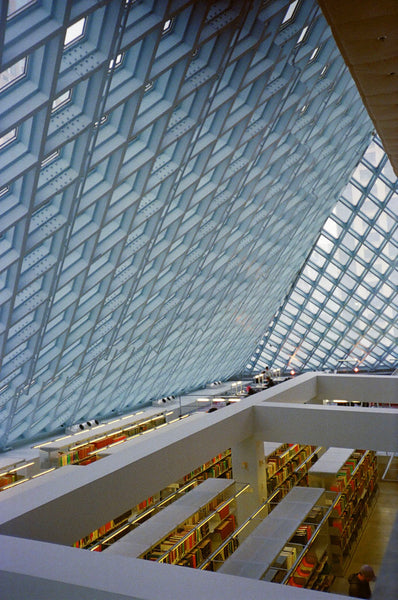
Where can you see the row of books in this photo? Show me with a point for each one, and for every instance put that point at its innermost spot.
(288, 469)
(8, 479)
(182, 542)
(94, 535)
(79, 455)
(351, 510)
(224, 553)
(303, 575)
(224, 459)
(83, 455)
(176, 548)
(303, 534)
(344, 476)
(286, 559)
(280, 457)
(289, 475)
(198, 555)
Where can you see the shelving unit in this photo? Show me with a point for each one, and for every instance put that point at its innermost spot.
(16, 471)
(218, 466)
(290, 542)
(353, 475)
(283, 462)
(87, 446)
(123, 524)
(189, 529)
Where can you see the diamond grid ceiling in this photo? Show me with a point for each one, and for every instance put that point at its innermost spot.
(165, 168)
(342, 312)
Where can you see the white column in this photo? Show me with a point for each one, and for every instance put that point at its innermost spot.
(249, 466)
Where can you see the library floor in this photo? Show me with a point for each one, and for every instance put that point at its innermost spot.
(373, 542)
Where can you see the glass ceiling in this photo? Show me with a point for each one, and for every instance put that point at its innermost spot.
(342, 312)
(165, 168)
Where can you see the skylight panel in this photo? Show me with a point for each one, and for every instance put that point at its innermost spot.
(359, 225)
(13, 74)
(386, 290)
(75, 32)
(302, 35)
(290, 12)
(363, 175)
(17, 6)
(61, 100)
(362, 292)
(374, 154)
(333, 228)
(50, 158)
(168, 25)
(115, 63)
(325, 244)
(362, 300)
(375, 239)
(369, 208)
(352, 194)
(385, 222)
(380, 190)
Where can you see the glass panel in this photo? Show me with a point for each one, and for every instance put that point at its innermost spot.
(74, 32)
(363, 301)
(13, 73)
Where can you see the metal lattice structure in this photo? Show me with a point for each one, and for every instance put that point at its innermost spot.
(165, 168)
(342, 312)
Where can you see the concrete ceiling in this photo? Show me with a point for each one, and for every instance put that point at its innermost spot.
(367, 35)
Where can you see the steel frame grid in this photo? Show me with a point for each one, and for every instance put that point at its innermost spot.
(342, 310)
(182, 179)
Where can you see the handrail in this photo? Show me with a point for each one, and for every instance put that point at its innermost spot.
(131, 522)
(202, 522)
(237, 531)
(310, 541)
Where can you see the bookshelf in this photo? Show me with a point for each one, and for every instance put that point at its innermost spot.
(290, 540)
(218, 466)
(283, 462)
(352, 474)
(186, 531)
(102, 537)
(17, 470)
(87, 446)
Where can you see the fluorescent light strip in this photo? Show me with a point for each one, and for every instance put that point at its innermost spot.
(43, 473)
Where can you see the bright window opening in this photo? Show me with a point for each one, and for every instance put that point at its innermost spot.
(302, 35)
(167, 26)
(8, 138)
(17, 6)
(74, 32)
(13, 73)
(290, 12)
(61, 100)
(50, 158)
(115, 63)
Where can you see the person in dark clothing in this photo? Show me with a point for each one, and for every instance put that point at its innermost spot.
(249, 390)
(269, 382)
(359, 582)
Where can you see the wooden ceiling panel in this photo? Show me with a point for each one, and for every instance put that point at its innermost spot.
(366, 33)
